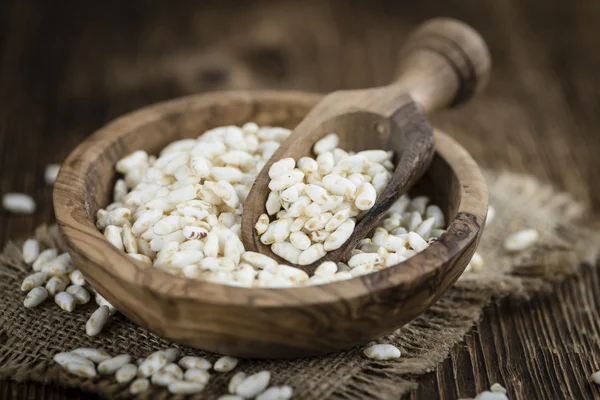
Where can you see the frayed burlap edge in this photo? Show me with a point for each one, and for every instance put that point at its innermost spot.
(29, 338)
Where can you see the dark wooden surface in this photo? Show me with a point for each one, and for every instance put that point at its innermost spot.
(67, 67)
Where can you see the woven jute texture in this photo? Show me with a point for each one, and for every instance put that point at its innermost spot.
(30, 337)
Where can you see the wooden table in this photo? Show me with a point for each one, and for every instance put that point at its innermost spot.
(68, 67)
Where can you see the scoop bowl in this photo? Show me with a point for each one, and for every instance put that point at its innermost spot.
(263, 323)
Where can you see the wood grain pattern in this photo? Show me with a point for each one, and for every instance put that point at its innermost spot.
(444, 62)
(258, 322)
(66, 69)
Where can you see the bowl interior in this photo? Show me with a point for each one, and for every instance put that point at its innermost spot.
(439, 183)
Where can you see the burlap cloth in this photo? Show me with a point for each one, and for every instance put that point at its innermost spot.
(29, 338)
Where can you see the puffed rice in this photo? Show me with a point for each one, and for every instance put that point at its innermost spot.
(197, 375)
(44, 257)
(595, 377)
(498, 388)
(97, 321)
(173, 369)
(31, 250)
(126, 373)
(139, 385)
(113, 364)
(82, 370)
(80, 295)
(101, 301)
(189, 362)
(488, 395)
(181, 211)
(254, 384)
(162, 378)
(324, 201)
(490, 215)
(94, 355)
(34, 280)
(61, 265)
(56, 284)
(182, 387)
(65, 358)
(35, 297)
(382, 352)
(230, 397)
(77, 278)
(18, 203)
(225, 364)
(50, 173)
(235, 381)
(66, 301)
(521, 240)
(276, 393)
(154, 363)
(172, 354)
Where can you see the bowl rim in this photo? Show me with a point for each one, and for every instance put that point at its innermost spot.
(79, 229)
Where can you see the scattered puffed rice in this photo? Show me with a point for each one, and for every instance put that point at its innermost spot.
(81, 363)
(172, 354)
(44, 257)
(254, 384)
(382, 352)
(94, 355)
(153, 363)
(476, 262)
(276, 393)
(163, 378)
(65, 358)
(50, 173)
(225, 364)
(77, 278)
(521, 240)
(139, 385)
(34, 280)
(595, 377)
(181, 387)
(81, 295)
(76, 364)
(82, 370)
(498, 388)
(61, 265)
(173, 369)
(197, 375)
(35, 297)
(18, 203)
(195, 362)
(97, 321)
(56, 284)
(487, 395)
(235, 381)
(111, 365)
(126, 373)
(65, 300)
(31, 250)
(101, 301)
(490, 215)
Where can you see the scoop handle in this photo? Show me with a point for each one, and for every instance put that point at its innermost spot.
(443, 63)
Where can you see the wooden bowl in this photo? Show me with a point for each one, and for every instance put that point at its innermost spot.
(264, 323)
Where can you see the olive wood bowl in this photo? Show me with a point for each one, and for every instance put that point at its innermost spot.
(264, 323)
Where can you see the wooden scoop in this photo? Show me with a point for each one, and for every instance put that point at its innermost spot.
(444, 62)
